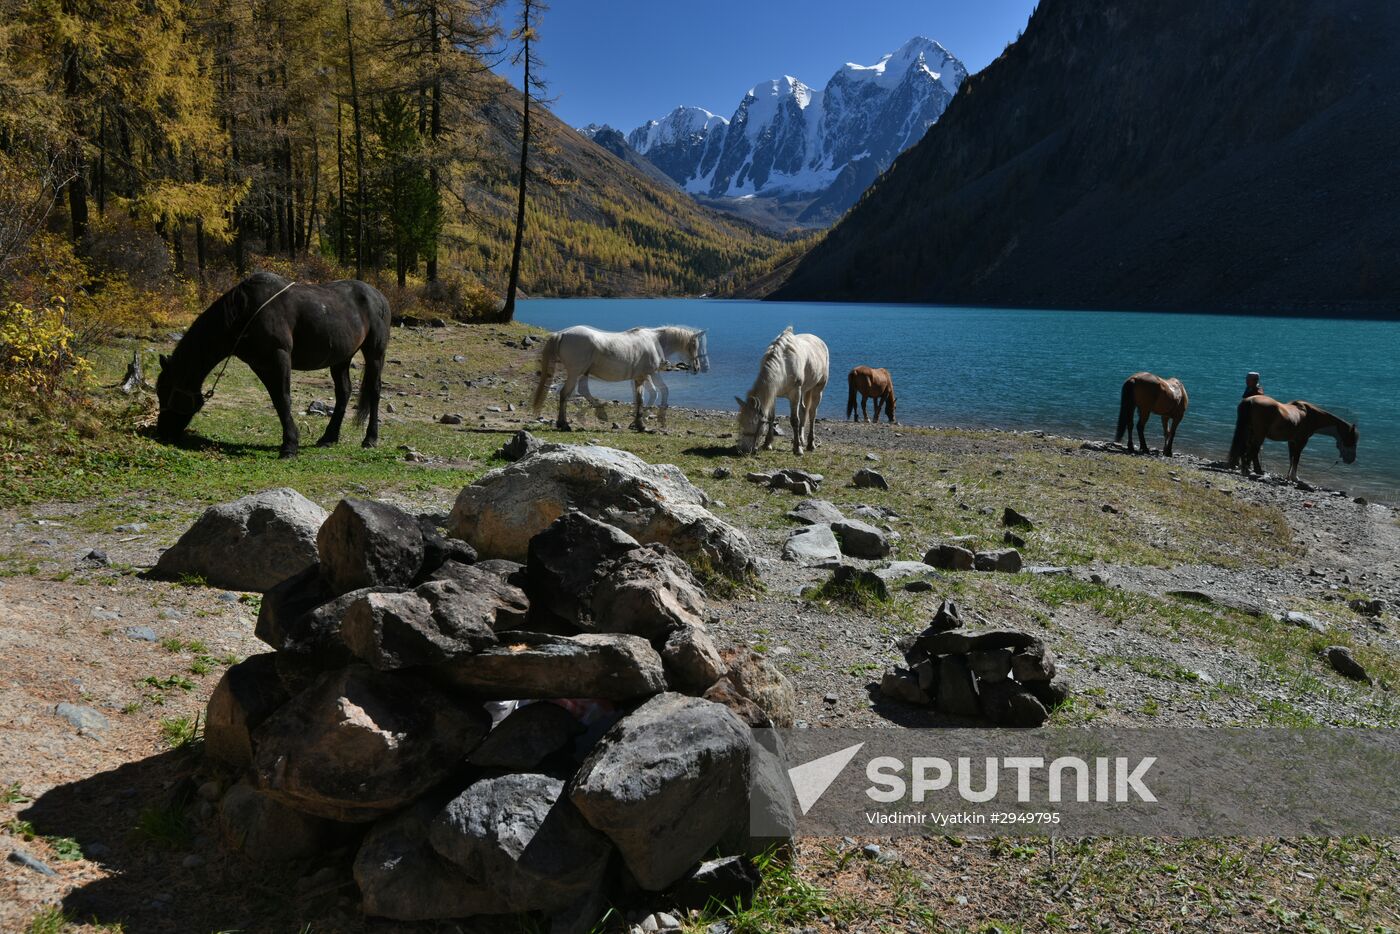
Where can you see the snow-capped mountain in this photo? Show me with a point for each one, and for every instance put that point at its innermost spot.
(812, 148)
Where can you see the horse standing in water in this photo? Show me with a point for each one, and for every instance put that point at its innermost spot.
(870, 383)
(276, 326)
(796, 366)
(636, 355)
(1261, 418)
(1151, 395)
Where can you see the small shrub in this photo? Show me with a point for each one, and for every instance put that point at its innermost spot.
(37, 349)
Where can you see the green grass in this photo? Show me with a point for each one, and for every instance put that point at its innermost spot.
(163, 827)
(180, 732)
(51, 920)
(13, 794)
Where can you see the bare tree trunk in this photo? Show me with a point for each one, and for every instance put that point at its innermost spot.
(434, 131)
(340, 184)
(359, 152)
(508, 311)
(77, 186)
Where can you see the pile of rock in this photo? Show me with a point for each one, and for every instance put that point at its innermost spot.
(801, 482)
(1003, 676)
(826, 534)
(494, 737)
(954, 557)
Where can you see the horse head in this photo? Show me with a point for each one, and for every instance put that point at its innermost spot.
(1347, 437)
(750, 424)
(889, 406)
(698, 348)
(178, 402)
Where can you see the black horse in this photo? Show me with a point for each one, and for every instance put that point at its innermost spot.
(275, 327)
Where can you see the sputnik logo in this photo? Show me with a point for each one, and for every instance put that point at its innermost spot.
(810, 780)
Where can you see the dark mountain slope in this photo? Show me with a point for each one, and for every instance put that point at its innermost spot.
(595, 225)
(1198, 154)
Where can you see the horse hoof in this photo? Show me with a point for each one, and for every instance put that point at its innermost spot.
(370, 443)
(327, 442)
(285, 454)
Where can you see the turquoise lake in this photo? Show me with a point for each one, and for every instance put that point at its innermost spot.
(1060, 371)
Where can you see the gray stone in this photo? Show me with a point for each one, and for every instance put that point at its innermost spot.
(870, 479)
(249, 544)
(903, 686)
(1344, 663)
(563, 561)
(948, 617)
(755, 678)
(944, 642)
(720, 473)
(1005, 560)
(520, 446)
(1006, 703)
(493, 590)
(991, 664)
(1012, 539)
(29, 861)
(957, 691)
(861, 540)
(435, 622)
(1033, 663)
(1294, 618)
(369, 544)
(537, 665)
(1045, 570)
(815, 512)
(358, 744)
(693, 663)
(665, 784)
(520, 833)
(648, 592)
(899, 570)
(950, 557)
(502, 511)
(438, 549)
(269, 831)
(451, 418)
(810, 544)
(246, 695)
(729, 880)
(140, 633)
(97, 557)
(400, 875)
(1015, 520)
(525, 738)
(1051, 694)
(1365, 607)
(1004, 639)
(83, 719)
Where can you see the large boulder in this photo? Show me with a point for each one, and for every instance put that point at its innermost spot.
(402, 877)
(269, 831)
(949, 557)
(860, 539)
(562, 562)
(648, 592)
(754, 677)
(526, 737)
(249, 544)
(432, 623)
(538, 665)
(369, 544)
(665, 784)
(530, 842)
(246, 695)
(358, 744)
(815, 512)
(503, 510)
(693, 663)
(494, 585)
(812, 544)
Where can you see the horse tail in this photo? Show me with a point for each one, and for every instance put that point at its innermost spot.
(547, 357)
(851, 397)
(1125, 409)
(1241, 438)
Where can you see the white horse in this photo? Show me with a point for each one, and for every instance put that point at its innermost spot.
(796, 366)
(636, 355)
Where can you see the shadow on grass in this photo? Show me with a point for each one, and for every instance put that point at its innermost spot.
(164, 868)
(713, 450)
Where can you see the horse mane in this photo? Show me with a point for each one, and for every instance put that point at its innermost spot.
(769, 365)
(206, 334)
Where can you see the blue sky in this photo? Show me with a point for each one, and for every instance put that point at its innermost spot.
(624, 62)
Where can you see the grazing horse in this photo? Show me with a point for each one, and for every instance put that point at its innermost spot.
(636, 355)
(796, 366)
(276, 326)
(870, 383)
(1151, 395)
(1260, 419)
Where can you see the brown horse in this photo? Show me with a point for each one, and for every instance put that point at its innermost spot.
(870, 384)
(1261, 419)
(1151, 395)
